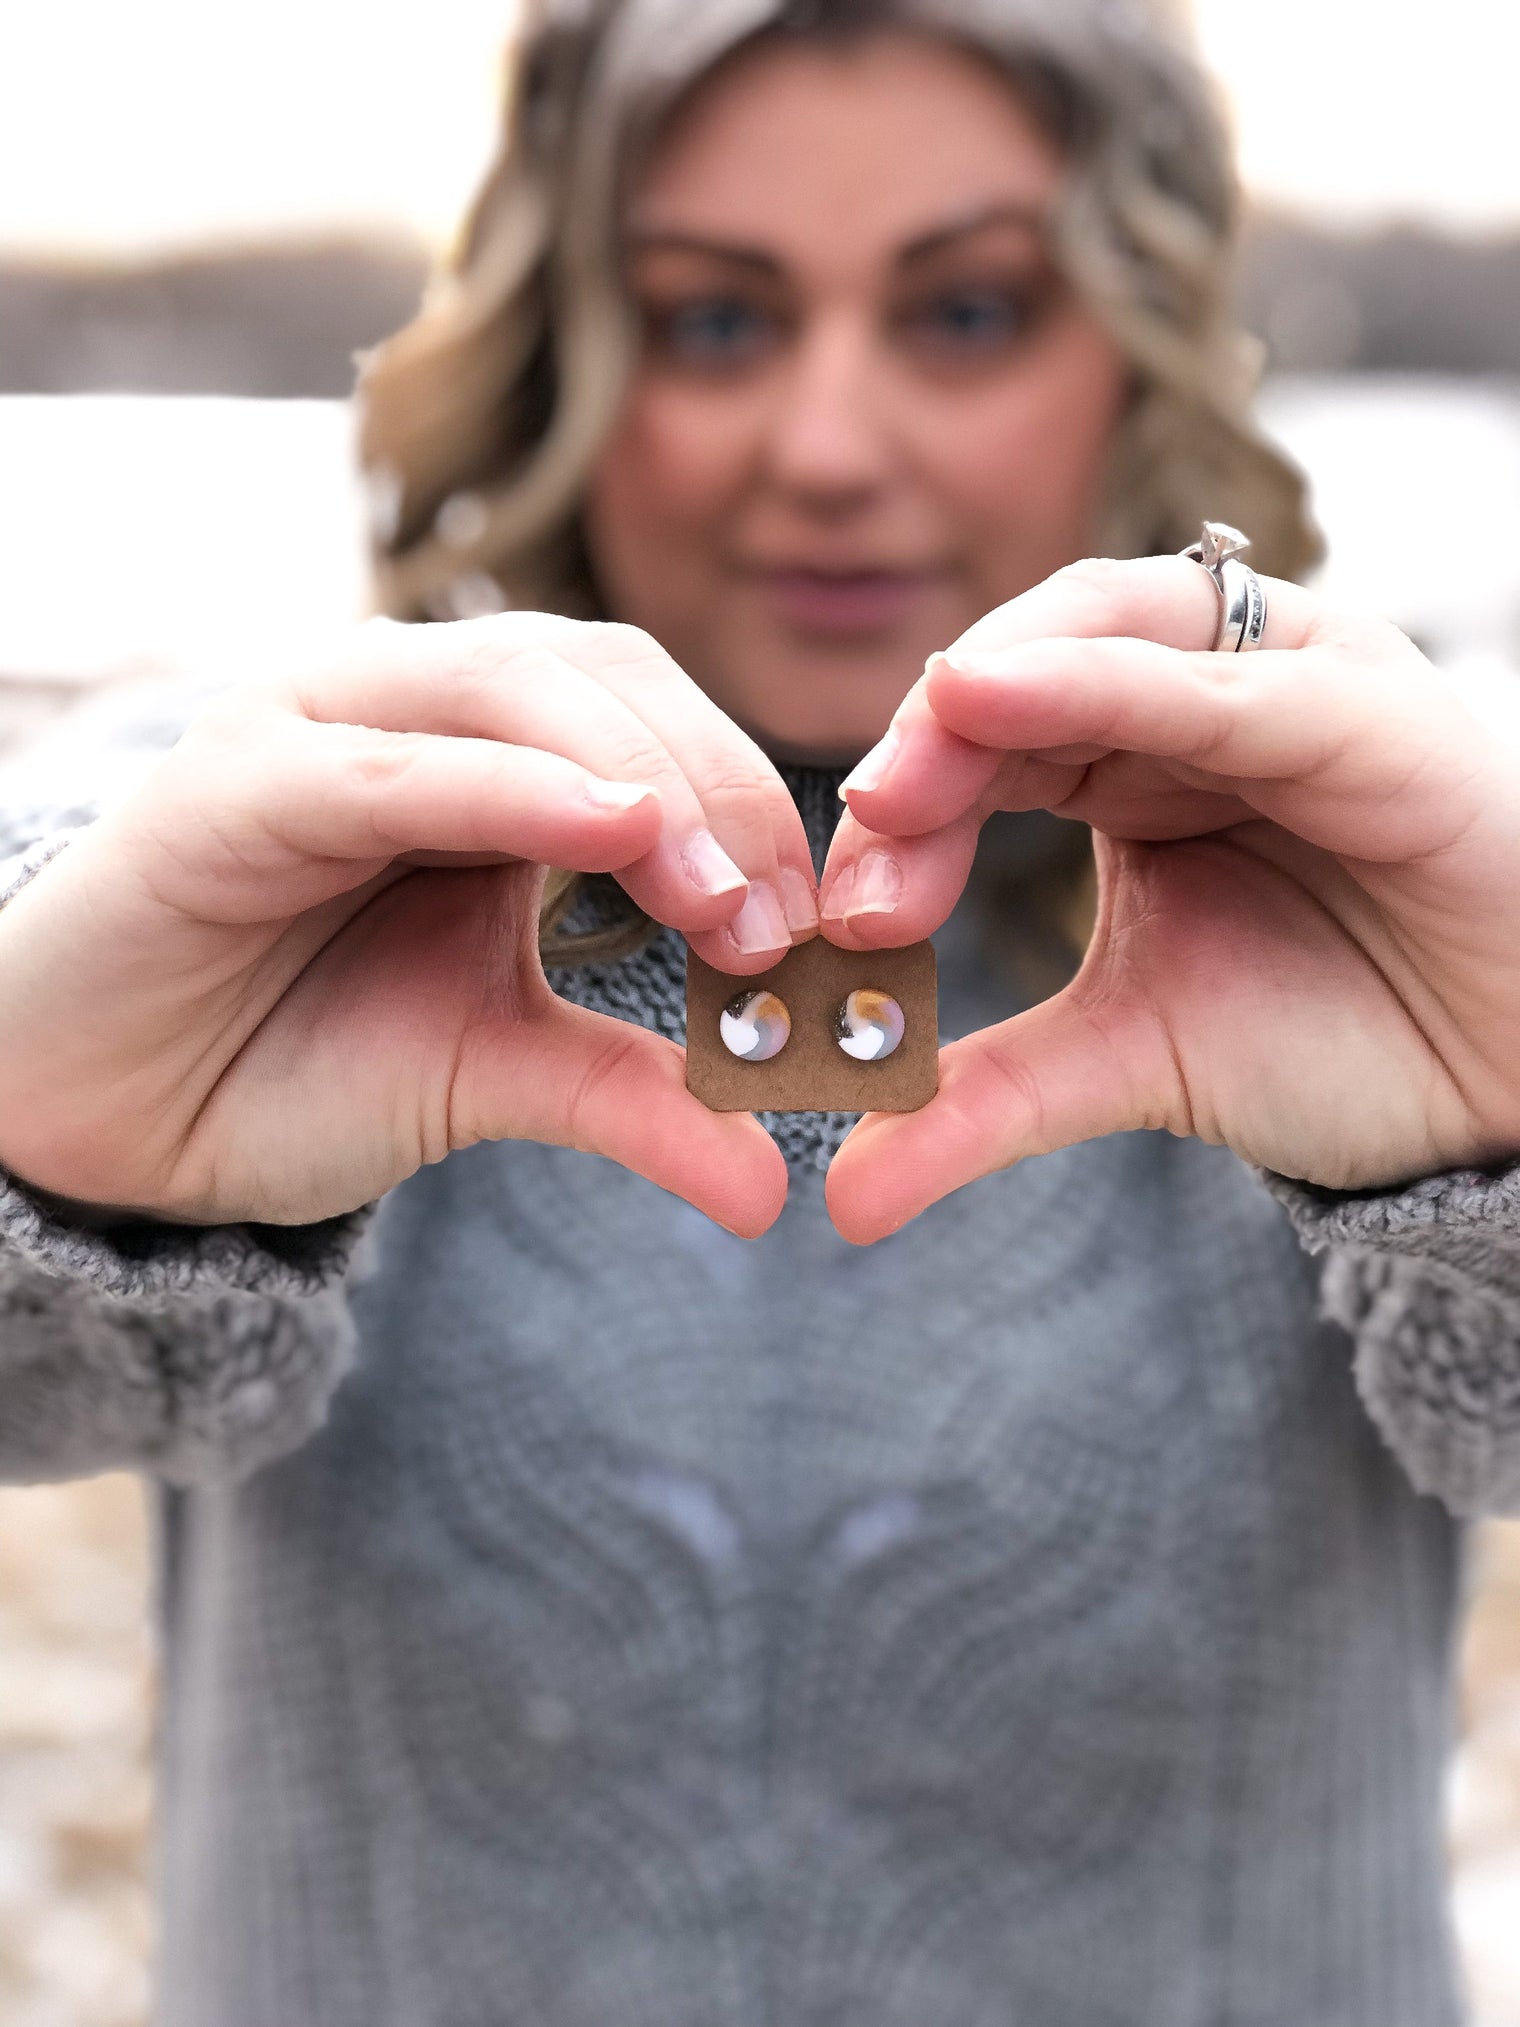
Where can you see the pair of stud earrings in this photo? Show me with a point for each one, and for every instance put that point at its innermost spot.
(757, 1025)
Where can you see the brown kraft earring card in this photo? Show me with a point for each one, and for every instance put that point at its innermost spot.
(812, 1071)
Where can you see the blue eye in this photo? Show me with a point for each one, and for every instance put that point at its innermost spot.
(712, 331)
(972, 320)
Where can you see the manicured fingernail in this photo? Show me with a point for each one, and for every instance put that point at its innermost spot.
(708, 867)
(870, 771)
(836, 894)
(760, 923)
(878, 885)
(797, 903)
(614, 794)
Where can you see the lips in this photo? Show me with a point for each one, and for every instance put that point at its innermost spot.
(841, 604)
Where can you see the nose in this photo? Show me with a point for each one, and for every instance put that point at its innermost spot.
(828, 440)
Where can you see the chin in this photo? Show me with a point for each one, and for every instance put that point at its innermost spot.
(814, 739)
(814, 733)
(792, 752)
(821, 709)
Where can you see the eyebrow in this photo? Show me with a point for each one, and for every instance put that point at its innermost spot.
(1027, 216)
(657, 239)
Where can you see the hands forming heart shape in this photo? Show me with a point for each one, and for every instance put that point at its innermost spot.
(301, 959)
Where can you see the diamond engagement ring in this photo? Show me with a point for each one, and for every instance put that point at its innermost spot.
(1242, 602)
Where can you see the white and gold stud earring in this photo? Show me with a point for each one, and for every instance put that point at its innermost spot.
(869, 1025)
(755, 1026)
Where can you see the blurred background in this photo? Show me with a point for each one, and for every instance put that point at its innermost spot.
(205, 213)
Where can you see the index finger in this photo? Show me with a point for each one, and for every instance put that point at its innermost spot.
(1170, 600)
(747, 803)
(731, 865)
(923, 774)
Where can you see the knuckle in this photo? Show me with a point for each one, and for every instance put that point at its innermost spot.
(1378, 644)
(599, 1079)
(214, 766)
(624, 643)
(1020, 1096)
(724, 775)
(377, 765)
(485, 658)
(1100, 583)
(627, 752)
(481, 657)
(610, 648)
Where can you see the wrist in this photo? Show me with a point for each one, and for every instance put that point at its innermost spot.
(82, 1212)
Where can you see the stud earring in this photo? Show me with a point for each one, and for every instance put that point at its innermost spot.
(755, 1026)
(869, 1025)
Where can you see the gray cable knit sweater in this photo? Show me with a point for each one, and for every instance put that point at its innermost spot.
(577, 1617)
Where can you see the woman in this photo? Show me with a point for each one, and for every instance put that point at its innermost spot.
(581, 1613)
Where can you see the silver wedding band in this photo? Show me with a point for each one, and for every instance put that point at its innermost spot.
(1242, 602)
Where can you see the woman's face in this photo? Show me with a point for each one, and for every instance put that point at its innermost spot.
(867, 409)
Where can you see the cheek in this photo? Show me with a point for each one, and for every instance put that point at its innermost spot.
(670, 466)
(1022, 461)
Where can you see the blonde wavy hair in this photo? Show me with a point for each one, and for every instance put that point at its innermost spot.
(482, 419)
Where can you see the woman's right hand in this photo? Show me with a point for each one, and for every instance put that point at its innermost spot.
(301, 959)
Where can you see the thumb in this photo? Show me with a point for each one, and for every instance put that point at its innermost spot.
(1068, 1070)
(572, 1078)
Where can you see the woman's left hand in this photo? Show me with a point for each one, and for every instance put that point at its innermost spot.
(1308, 935)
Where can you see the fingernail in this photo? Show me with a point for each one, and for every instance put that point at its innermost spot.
(708, 866)
(978, 662)
(869, 771)
(878, 885)
(797, 903)
(760, 923)
(613, 794)
(836, 894)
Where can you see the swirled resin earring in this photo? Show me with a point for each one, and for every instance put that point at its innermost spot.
(826, 1030)
(755, 1026)
(869, 1025)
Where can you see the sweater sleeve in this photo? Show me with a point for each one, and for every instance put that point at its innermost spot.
(1427, 1280)
(190, 1352)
